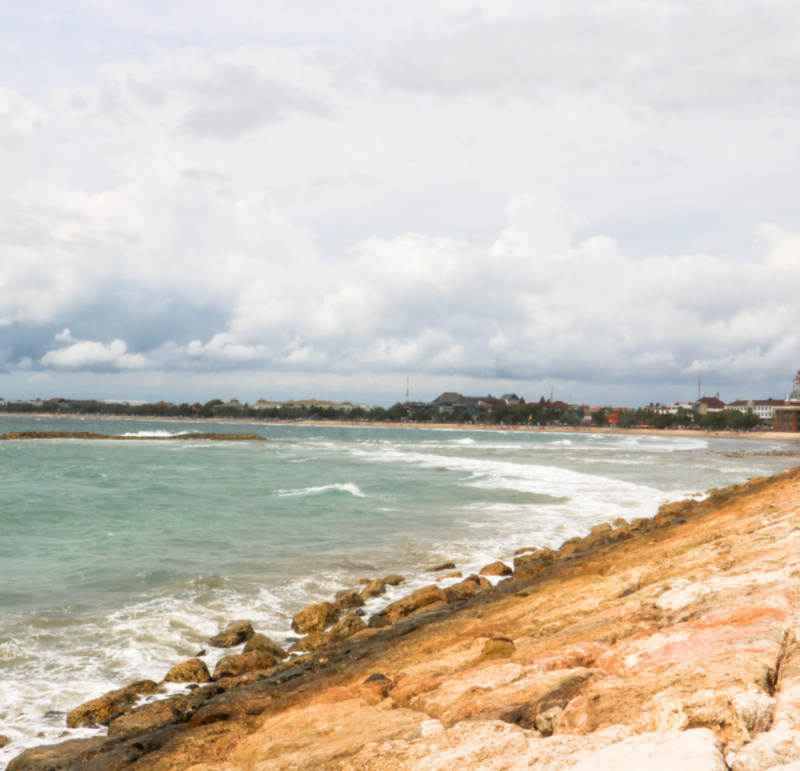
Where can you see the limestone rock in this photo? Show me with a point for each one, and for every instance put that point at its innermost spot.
(315, 618)
(315, 641)
(442, 566)
(496, 569)
(239, 663)
(755, 710)
(454, 574)
(768, 751)
(348, 600)
(469, 587)
(191, 671)
(234, 634)
(104, 709)
(415, 601)
(65, 755)
(348, 626)
(4, 741)
(393, 579)
(260, 642)
(374, 588)
(149, 717)
(497, 648)
(694, 750)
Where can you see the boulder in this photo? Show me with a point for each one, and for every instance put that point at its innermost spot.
(349, 599)
(393, 580)
(442, 566)
(315, 618)
(191, 671)
(239, 663)
(4, 741)
(374, 589)
(496, 569)
(755, 709)
(768, 750)
(454, 574)
(234, 634)
(315, 641)
(65, 755)
(469, 587)
(149, 717)
(260, 642)
(497, 648)
(415, 601)
(104, 709)
(348, 626)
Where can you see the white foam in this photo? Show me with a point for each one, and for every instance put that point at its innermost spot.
(346, 487)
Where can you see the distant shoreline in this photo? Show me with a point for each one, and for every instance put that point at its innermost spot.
(683, 432)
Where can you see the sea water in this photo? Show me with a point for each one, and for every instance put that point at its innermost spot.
(119, 559)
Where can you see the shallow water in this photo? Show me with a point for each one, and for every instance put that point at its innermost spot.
(119, 559)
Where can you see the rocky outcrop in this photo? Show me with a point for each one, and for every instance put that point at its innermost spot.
(496, 569)
(191, 671)
(239, 663)
(667, 644)
(315, 618)
(260, 642)
(103, 710)
(234, 634)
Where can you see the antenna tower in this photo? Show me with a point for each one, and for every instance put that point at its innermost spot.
(407, 390)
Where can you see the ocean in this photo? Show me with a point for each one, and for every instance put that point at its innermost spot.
(119, 559)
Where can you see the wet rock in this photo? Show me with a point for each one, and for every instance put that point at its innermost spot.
(454, 574)
(191, 671)
(443, 566)
(393, 579)
(150, 717)
(260, 642)
(55, 757)
(363, 581)
(415, 601)
(348, 626)
(4, 741)
(469, 587)
(104, 709)
(374, 589)
(234, 634)
(496, 569)
(237, 664)
(315, 618)
(349, 599)
(315, 641)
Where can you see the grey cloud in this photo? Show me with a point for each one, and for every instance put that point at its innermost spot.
(237, 99)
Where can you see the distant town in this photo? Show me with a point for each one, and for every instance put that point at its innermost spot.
(707, 412)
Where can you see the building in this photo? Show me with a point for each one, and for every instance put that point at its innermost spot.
(787, 414)
(709, 404)
(763, 408)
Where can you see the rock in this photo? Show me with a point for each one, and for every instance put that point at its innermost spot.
(104, 709)
(239, 663)
(65, 755)
(191, 671)
(497, 648)
(150, 717)
(315, 618)
(374, 589)
(393, 580)
(768, 750)
(234, 634)
(415, 601)
(314, 641)
(348, 626)
(4, 741)
(496, 569)
(443, 566)
(694, 750)
(469, 587)
(348, 600)
(454, 574)
(260, 642)
(363, 581)
(755, 710)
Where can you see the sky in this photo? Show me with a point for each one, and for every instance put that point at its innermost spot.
(597, 199)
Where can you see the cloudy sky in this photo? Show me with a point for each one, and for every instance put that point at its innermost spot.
(303, 199)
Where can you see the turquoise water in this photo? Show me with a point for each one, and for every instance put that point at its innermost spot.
(119, 559)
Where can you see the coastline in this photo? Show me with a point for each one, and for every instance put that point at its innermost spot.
(687, 432)
(673, 635)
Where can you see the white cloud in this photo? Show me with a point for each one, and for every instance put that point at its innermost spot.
(87, 354)
(19, 117)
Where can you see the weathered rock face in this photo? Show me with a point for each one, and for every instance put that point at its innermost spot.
(103, 710)
(393, 580)
(416, 601)
(496, 569)
(238, 664)
(315, 618)
(234, 634)
(469, 587)
(349, 600)
(260, 642)
(192, 671)
(348, 626)
(374, 588)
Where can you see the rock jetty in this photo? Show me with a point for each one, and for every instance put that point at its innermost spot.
(666, 644)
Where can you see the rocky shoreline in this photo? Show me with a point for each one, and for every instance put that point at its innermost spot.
(44, 435)
(666, 643)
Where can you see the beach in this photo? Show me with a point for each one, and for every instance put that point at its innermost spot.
(371, 503)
